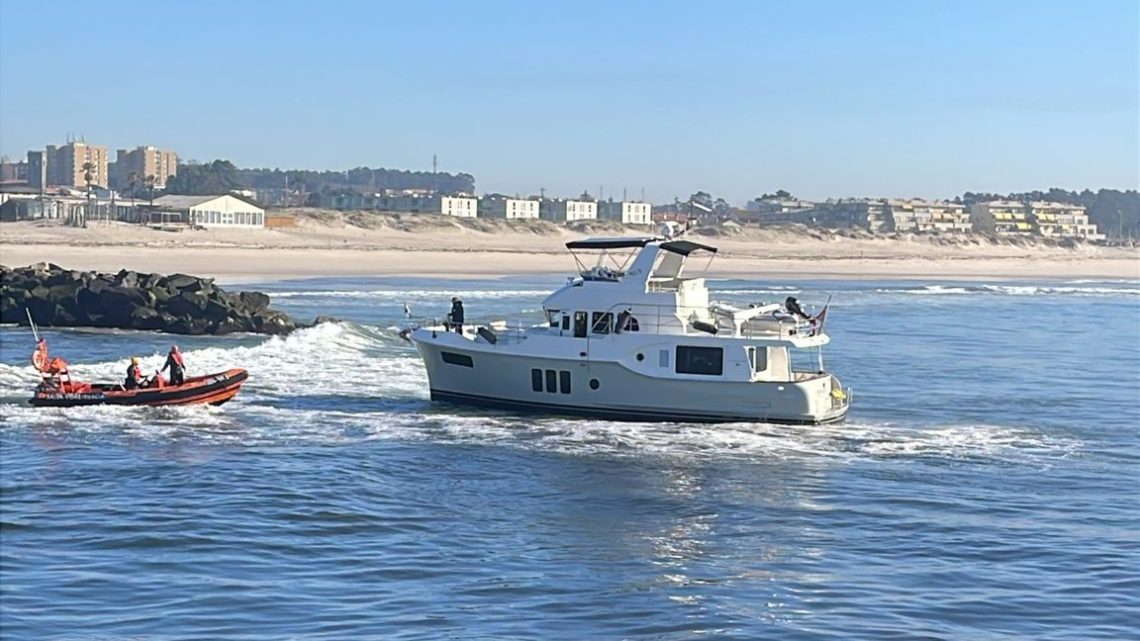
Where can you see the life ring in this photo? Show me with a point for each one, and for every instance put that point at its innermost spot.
(40, 355)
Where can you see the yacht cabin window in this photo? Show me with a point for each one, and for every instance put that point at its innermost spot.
(552, 316)
(603, 322)
(706, 361)
(758, 358)
(581, 324)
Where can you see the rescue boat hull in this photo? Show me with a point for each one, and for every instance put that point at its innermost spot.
(212, 389)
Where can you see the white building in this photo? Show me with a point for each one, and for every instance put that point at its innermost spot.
(566, 211)
(508, 208)
(224, 211)
(458, 206)
(626, 212)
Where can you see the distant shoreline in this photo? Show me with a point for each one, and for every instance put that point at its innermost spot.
(332, 246)
(240, 264)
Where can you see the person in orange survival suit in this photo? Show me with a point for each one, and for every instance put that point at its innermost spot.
(176, 364)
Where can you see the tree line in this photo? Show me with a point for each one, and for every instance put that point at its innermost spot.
(221, 176)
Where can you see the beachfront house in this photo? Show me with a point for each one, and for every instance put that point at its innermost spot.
(561, 210)
(224, 211)
(508, 208)
(626, 212)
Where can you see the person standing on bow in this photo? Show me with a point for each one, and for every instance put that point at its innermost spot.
(456, 315)
(177, 366)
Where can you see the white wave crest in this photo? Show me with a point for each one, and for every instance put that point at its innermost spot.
(1011, 290)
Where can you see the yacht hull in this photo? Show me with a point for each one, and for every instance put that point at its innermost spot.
(463, 372)
(610, 414)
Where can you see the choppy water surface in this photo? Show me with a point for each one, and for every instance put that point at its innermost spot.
(987, 486)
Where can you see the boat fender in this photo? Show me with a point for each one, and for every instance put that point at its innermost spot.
(40, 355)
(708, 328)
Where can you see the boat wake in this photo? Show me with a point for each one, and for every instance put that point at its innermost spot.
(346, 383)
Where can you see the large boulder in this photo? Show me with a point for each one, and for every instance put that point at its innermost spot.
(116, 304)
(187, 304)
(178, 281)
(253, 302)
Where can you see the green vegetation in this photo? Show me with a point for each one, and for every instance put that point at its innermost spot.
(217, 177)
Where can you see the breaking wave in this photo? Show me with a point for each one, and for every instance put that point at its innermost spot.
(1015, 290)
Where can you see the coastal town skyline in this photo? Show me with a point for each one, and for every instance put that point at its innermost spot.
(670, 99)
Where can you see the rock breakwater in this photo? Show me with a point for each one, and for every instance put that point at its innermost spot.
(175, 303)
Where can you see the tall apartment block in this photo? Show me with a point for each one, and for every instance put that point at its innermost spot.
(66, 165)
(142, 162)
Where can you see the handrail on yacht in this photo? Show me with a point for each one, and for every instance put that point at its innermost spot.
(786, 328)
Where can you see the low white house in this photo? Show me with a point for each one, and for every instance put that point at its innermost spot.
(509, 208)
(565, 211)
(626, 212)
(224, 211)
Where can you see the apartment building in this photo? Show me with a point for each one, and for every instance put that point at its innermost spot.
(37, 170)
(66, 165)
(1002, 217)
(926, 216)
(508, 208)
(1062, 220)
(142, 162)
(626, 212)
(565, 211)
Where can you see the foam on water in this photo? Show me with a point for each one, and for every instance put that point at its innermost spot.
(1011, 290)
(339, 382)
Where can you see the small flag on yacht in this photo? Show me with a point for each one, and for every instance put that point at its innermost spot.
(821, 317)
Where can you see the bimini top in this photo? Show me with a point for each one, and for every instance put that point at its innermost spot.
(685, 247)
(610, 243)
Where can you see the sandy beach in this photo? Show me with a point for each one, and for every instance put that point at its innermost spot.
(326, 244)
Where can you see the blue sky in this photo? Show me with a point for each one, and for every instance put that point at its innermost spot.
(924, 98)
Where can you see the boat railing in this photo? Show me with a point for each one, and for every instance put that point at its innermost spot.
(504, 332)
(696, 320)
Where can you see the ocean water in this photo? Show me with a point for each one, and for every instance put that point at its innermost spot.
(985, 487)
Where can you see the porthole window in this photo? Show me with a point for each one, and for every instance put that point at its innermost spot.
(640, 356)
(594, 384)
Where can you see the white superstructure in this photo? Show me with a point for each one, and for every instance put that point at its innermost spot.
(641, 341)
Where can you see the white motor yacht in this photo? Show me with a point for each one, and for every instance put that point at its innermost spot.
(638, 340)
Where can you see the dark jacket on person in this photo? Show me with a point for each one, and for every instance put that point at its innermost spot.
(177, 367)
(134, 377)
(457, 312)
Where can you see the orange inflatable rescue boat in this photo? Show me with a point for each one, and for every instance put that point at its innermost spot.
(58, 389)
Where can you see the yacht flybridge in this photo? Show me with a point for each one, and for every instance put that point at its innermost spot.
(638, 340)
